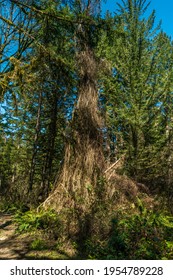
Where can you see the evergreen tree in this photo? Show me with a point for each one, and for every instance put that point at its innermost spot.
(135, 92)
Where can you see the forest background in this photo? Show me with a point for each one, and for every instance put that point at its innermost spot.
(86, 143)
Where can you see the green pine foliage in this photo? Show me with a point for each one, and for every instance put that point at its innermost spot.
(136, 91)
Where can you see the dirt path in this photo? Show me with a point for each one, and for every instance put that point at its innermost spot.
(15, 246)
(11, 245)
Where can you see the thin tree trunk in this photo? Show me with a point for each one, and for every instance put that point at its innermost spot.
(35, 146)
(47, 168)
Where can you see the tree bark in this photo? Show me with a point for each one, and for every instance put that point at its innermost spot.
(77, 186)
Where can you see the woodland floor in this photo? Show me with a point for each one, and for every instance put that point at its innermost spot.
(18, 246)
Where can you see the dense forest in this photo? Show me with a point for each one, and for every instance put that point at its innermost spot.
(86, 127)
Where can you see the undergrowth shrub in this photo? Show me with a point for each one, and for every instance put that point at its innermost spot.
(143, 235)
(11, 208)
(48, 221)
(38, 244)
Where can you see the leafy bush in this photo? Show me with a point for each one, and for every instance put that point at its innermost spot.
(144, 235)
(8, 207)
(44, 220)
(38, 244)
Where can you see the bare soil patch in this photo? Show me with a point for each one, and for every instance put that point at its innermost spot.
(12, 245)
(15, 246)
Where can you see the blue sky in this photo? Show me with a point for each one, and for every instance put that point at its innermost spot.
(164, 12)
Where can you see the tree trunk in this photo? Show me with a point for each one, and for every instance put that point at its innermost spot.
(47, 167)
(35, 146)
(77, 186)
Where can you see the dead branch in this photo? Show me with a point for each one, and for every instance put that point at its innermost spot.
(114, 164)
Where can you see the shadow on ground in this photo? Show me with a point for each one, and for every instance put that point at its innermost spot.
(18, 246)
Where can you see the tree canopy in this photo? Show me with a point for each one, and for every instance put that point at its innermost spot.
(86, 107)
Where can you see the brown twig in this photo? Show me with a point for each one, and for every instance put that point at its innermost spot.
(114, 164)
